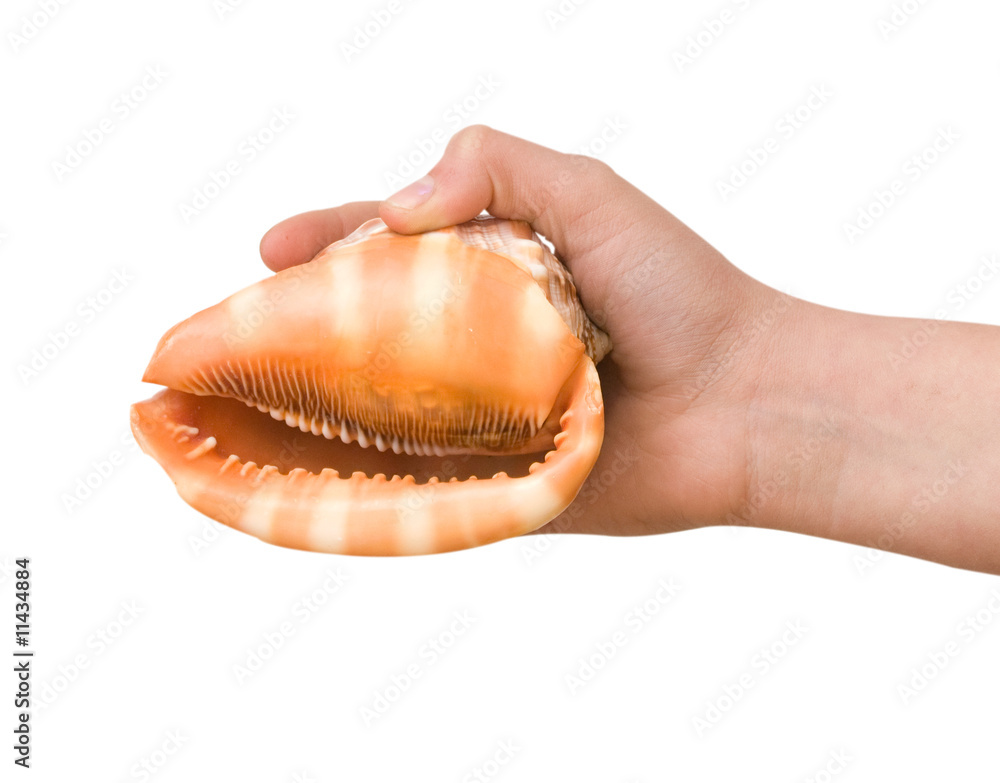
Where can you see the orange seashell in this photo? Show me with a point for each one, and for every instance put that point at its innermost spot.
(388, 373)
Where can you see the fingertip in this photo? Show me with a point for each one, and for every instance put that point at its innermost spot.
(415, 208)
(298, 239)
(293, 241)
(396, 218)
(414, 195)
(448, 195)
(270, 248)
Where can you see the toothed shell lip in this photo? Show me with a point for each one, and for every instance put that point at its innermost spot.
(201, 426)
(358, 513)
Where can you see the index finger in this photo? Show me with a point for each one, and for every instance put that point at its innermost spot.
(298, 239)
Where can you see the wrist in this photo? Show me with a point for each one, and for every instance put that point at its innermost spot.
(799, 420)
(856, 438)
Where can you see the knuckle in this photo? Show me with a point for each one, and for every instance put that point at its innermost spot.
(472, 140)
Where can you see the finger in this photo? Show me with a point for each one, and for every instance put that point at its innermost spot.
(298, 239)
(482, 168)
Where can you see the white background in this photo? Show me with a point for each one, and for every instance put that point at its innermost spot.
(204, 598)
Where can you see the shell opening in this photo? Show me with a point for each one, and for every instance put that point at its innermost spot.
(325, 509)
(240, 435)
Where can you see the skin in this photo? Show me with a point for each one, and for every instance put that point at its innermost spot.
(728, 402)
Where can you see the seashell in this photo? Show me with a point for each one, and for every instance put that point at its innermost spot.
(395, 395)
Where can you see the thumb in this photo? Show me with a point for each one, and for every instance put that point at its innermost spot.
(559, 195)
(639, 271)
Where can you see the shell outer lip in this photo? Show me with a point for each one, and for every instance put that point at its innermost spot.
(357, 515)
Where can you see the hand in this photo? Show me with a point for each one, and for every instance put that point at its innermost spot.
(674, 385)
(726, 401)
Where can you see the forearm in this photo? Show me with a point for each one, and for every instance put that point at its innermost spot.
(883, 432)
